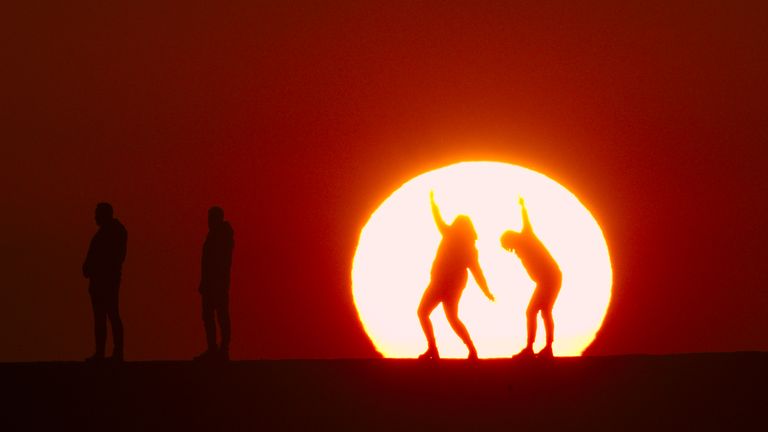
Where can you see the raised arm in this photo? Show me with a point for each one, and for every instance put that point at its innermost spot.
(477, 273)
(526, 220)
(441, 225)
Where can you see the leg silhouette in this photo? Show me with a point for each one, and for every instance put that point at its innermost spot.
(531, 315)
(429, 302)
(113, 312)
(549, 325)
(451, 308)
(222, 314)
(209, 323)
(99, 326)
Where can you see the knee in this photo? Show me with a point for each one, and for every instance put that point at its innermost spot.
(422, 314)
(207, 316)
(531, 312)
(223, 315)
(546, 314)
(455, 322)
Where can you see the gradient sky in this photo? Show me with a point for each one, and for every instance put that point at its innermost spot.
(300, 118)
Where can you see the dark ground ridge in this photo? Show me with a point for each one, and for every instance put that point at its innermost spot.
(639, 392)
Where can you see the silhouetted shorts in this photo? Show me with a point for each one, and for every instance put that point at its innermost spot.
(217, 302)
(545, 294)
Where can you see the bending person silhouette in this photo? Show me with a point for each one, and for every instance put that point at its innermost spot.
(456, 254)
(214, 284)
(103, 268)
(543, 270)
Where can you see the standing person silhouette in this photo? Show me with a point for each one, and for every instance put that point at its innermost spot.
(214, 284)
(103, 268)
(543, 270)
(456, 254)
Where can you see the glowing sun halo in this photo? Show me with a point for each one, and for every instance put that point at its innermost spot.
(391, 268)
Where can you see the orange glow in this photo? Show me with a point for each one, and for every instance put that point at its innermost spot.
(391, 268)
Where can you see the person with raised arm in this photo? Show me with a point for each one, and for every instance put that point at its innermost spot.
(545, 272)
(455, 254)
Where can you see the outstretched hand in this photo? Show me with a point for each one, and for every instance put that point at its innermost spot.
(490, 297)
(520, 200)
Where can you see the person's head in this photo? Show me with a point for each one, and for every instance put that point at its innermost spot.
(509, 240)
(103, 213)
(463, 228)
(215, 217)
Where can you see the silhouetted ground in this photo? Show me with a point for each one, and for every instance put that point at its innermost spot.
(685, 392)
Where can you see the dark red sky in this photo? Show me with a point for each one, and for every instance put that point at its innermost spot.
(300, 119)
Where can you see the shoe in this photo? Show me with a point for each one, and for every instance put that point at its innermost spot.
(545, 353)
(430, 354)
(95, 358)
(472, 355)
(526, 353)
(117, 357)
(207, 355)
(222, 355)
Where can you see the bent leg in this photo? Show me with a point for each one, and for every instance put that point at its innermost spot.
(451, 308)
(429, 302)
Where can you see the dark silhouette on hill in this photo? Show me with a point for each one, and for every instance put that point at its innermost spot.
(456, 254)
(543, 270)
(216, 264)
(103, 268)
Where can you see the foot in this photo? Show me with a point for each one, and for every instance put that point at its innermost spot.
(207, 355)
(223, 354)
(472, 355)
(546, 353)
(117, 357)
(526, 353)
(95, 358)
(430, 354)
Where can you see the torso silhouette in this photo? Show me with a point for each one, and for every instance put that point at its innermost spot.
(454, 255)
(217, 259)
(106, 253)
(536, 259)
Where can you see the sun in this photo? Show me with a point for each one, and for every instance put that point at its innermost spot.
(391, 267)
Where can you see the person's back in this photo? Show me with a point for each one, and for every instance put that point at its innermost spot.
(107, 252)
(536, 259)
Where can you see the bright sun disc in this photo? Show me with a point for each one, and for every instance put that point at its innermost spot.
(391, 268)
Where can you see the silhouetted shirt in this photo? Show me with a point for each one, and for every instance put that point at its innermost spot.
(535, 257)
(106, 253)
(454, 255)
(217, 259)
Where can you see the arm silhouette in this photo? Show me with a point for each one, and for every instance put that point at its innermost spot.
(441, 225)
(477, 273)
(526, 221)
